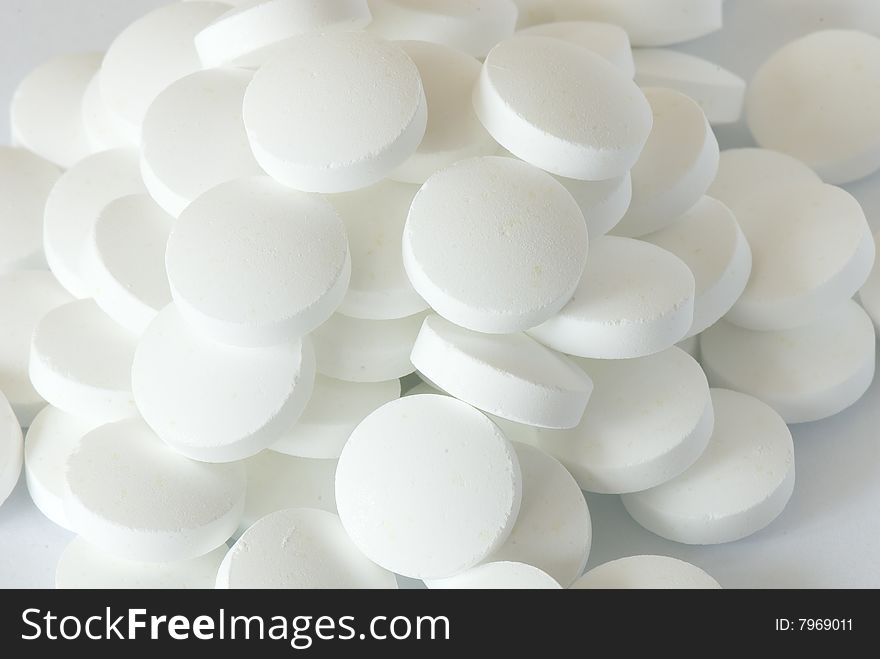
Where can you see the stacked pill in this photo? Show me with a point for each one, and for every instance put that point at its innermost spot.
(311, 295)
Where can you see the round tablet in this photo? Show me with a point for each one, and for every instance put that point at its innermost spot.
(104, 130)
(634, 299)
(83, 565)
(252, 263)
(708, 239)
(254, 30)
(132, 496)
(25, 182)
(374, 218)
(357, 350)
(302, 134)
(646, 572)
(605, 39)
(80, 362)
(818, 99)
(676, 167)
(124, 261)
(428, 487)
(215, 402)
(499, 262)
(509, 375)
(453, 131)
(299, 548)
(51, 439)
(45, 111)
(193, 137)
(603, 203)
(869, 295)
(562, 108)
(334, 410)
(498, 575)
(739, 484)
(149, 55)
(649, 419)
(716, 90)
(25, 297)
(746, 176)
(806, 373)
(11, 452)
(73, 207)
(471, 26)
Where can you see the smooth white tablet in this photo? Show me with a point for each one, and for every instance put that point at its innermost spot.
(428, 487)
(649, 419)
(124, 261)
(52, 437)
(708, 239)
(869, 294)
(83, 565)
(335, 408)
(299, 548)
(716, 90)
(562, 108)
(25, 297)
(132, 496)
(634, 299)
(818, 99)
(214, 402)
(472, 26)
(254, 30)
(494, 244)
(336, 112)
(748, 175)
(374, 218)
(605, 39)
(45, 112)
(498, 575)
(80, 362)
(508, 375)
(740, 483)
(74, 204)
(676, 167)
(603, 203)
(806, 373)
(25, 182)
(646, 572)
(104, 130)
(193, 138)
(11, 451)
(252, 263)
(149, 55)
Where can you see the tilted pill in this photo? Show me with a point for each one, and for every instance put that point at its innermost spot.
(653, 572)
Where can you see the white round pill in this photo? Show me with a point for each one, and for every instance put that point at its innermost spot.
(818, 99)
(252, 263)
(74, 204)
(304, 137)
(215, 402)
(869, 294)
(104, 130)
(299, 548)
(740, 483)
(646, 572)
(649, 419)
(193, 138)
(634, 299)
(25, 297)
(334, 410)
(806, 373)
(83, 565)
(494, 244)
(708, 239)
(676, 166)
(11, 450)
(80, 362)
(508, 375)
(605, 39)
(132, 496)
(562, 108)
(428, 487)
(603, 203)
(746, 176)
(25, 182)
(498, 575)
(46, 108)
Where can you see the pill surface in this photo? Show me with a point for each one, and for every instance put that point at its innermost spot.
(603, 203)
(869, 294)
(499, 575)
(605, 39)
(104, 130)
(653, 572)
(11, 451)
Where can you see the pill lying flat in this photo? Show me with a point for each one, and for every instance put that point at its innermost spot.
(646, 572)
(869, 294)
(299, 548)
(215, 402)
(104, 130)
(499, 575)
(603, 203)
(11, 451)
(605, 39)
(806, 373)
(740, 483)
(135, 498)
(428, 487)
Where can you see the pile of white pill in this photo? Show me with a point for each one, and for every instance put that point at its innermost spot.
(301, 294)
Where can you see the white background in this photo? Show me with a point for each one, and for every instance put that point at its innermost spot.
(829, 536)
